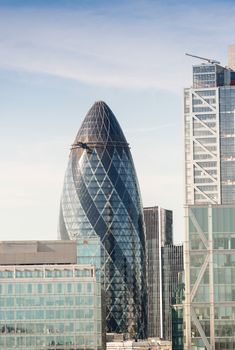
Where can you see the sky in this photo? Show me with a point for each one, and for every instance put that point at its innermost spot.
(58, 57)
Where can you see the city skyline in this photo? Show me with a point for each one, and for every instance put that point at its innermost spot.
(43, 91)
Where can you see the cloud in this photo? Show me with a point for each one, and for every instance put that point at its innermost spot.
(28, 175)
(134, 44)
(153, 128)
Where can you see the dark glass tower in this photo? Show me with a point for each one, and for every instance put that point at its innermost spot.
(101, 198)
(172, 265)
(165, 261)
(158, 223)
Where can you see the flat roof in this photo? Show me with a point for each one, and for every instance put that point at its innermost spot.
(38, 252)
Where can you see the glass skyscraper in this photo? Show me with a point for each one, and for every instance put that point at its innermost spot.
(165, 260)
(209, 211)
(178, 315)
(101, 198)
(158, 223)
(172, 265)
(209, 136)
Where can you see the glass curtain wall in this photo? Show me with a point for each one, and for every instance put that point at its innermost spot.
(101, 198)
(211, 259)
(49, 307)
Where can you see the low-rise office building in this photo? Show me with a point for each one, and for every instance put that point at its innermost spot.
(148, 344)
(48, 300)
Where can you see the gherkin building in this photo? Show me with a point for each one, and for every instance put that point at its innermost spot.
(101, 197)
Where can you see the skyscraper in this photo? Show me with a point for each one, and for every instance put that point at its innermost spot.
(210, 208)
(172, 265)
(158, 224)
(164, 262)
(101, 197)
(177, 315)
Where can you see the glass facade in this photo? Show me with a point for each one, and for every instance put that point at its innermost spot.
(165, 260)
(211, 262)
(172, 264)
(227, 143)
(101, 198)
(89, 252)
(178, 315)
(202, 149)
(209, 137)
(158, 224)
(209, 197)
(50, 307)
(210, 75)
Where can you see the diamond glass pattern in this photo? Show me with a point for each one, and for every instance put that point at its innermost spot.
(101, 198)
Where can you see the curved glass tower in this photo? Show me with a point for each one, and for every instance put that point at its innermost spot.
(101, 198)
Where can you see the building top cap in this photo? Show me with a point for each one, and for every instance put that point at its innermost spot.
(100, 126)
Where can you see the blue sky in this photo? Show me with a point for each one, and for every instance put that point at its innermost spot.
(58, 57)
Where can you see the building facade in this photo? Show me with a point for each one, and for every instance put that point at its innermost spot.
(172, 265)
(209, 197)
(210, 273)
(101, 198)
(158, 225)
(178, 315)
(47, 300)
(149, 344)
(209, 136)
(164, 262)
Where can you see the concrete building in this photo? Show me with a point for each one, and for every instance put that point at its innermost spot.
(209, 126)
(47, 299)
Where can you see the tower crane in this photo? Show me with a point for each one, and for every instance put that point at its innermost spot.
(203, 58)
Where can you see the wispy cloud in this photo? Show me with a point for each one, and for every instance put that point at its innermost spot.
(135, 44)
(153, 128)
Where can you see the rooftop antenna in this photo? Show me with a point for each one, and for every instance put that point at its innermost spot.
(203, 58)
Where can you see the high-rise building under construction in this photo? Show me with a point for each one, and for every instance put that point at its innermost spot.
(209, 134)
